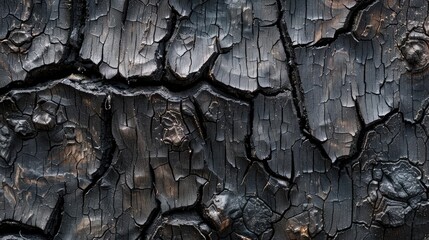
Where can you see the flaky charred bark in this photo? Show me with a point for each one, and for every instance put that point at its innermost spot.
(212, 119)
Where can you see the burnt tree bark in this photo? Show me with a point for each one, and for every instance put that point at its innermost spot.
(214, 119)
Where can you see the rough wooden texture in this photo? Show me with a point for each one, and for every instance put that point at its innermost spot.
(33, 34)
(124, 36)
(211, 119)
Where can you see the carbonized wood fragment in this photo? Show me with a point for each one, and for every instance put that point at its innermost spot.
(237, 41)
(33, 34)
(125, 37)
(51, 150)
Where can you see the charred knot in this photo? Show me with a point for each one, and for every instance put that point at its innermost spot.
(416, 54)
(174, 128)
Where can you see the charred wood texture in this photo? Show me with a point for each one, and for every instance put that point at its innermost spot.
(214, 119)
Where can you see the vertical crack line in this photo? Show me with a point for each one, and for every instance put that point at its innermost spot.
(77, 22)
(124, 14)
(54, 222)
(296, 85)
(108, 144)
(199, 118)
(297, 90)
(161, 52)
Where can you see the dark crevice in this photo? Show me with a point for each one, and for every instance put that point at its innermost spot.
(44, 74)
(199, 118)
(152, 226)
(361, 138)
(298, 94)
(125, 13)
(297, 90)
(53, 72)
(10, 229)
(108, 144)
(152, 222)
(79, 14)
(348, 24)
(161, 53)
(54, 223)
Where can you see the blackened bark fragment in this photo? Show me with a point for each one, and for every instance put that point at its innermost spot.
(165, 167)
(389, 182)
(366, 74)
(278, 119)
(275, 133)
(238, 38)
(51, 150)
(32, 35)
(125, 37)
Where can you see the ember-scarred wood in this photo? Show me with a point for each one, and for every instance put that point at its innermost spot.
(214, 119)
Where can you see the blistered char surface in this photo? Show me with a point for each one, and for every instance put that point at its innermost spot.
(214, 119)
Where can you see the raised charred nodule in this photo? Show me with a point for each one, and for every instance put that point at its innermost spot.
(416, 54)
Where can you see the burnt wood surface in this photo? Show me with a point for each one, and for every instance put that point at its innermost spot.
(214, 119)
